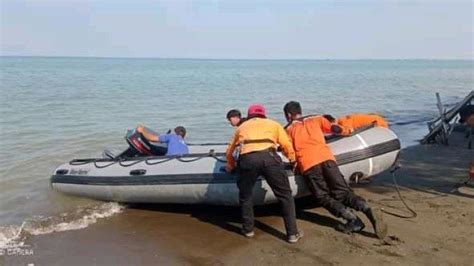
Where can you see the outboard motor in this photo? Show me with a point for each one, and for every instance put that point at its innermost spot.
(141, 146)
(138, 146)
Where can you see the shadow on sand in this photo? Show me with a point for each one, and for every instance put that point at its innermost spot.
(228, 217)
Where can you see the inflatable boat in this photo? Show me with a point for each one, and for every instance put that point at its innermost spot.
(138, 176)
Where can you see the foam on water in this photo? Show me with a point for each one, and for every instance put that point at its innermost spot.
(15, 235)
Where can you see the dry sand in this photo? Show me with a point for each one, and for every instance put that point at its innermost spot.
(442, 234)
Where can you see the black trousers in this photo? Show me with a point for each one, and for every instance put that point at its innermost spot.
(269, 165)
(328, 186)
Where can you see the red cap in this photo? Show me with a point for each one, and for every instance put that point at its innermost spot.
(256, 109)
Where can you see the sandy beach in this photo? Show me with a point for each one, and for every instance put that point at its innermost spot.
(208, 235)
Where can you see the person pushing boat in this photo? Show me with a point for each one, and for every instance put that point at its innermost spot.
(319, 168)
(258, 138)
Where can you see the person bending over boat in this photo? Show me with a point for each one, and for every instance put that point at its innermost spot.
(319, 168)
(175, 140)
(258, 138)
(355, 121)
(235, 118)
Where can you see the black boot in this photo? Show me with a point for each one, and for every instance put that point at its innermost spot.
(375, 217)
(353, 224)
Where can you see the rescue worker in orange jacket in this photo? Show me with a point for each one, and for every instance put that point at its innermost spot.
(354, 121)
(319, 168)
(258, 138)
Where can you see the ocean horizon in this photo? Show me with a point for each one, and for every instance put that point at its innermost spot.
(244, 59)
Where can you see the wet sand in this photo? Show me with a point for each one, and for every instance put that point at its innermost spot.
(441, 234)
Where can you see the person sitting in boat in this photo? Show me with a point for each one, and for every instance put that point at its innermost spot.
(235, 118)
(319, 169)
(175, 140)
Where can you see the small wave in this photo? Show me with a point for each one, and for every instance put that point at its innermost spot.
(410, 122)
(411, 118)
(15, 235)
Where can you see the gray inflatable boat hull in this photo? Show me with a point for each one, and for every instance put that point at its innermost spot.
(198, 179)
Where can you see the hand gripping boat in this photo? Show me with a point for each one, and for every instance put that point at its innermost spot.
(198, 177)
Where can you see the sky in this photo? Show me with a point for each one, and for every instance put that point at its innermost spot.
(437, 29)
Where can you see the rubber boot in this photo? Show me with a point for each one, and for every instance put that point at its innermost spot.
(353, 224)
(375, 217)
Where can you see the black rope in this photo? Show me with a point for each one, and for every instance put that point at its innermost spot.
(463, 183)
(130, 164)
(208, 144)
(104, 166)
(189, 161)
(158, 162)
(148, 160)
(81, 161)
(413, 213)
(218, 159)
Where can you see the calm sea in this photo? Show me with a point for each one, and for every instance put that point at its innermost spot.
(55, 109)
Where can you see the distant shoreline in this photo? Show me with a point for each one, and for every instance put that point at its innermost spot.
(240, 59)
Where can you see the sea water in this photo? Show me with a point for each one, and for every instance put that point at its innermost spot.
(53, 110)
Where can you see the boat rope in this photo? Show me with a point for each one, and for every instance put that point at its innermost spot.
(158, 162)
(413, 213)
(458, 185)
(103, 166)
(208, 144)
(190, 160)
(148, 160)
(218, 159)
(129, 164)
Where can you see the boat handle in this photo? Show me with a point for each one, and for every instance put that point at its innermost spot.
(62, 172)
(138, 172)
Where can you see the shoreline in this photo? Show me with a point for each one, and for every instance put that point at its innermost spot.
(203, 235)
(240, 59)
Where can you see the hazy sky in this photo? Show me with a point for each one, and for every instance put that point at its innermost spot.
(239, 29)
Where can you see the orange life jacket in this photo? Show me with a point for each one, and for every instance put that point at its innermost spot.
(307, 135)
(355, 121)
(258, 134)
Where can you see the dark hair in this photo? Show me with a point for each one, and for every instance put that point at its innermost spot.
(180, 130)
(292, 108)
(233, 113)
(330, 118)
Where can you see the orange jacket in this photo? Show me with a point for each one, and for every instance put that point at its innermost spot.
(265, 133)
(355, 121)
(307, 135)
